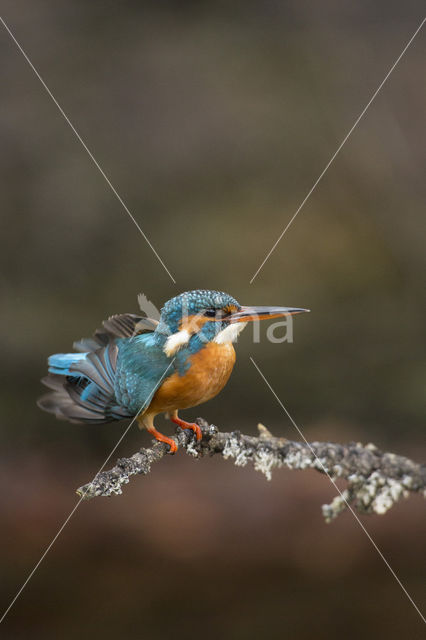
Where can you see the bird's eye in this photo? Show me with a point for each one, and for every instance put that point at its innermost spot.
(210, 313)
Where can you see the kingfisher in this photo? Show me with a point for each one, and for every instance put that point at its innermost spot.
(137, 367)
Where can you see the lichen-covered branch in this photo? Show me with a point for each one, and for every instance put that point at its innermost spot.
(375, 480)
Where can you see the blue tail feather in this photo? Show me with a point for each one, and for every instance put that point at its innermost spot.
(60, 363)
(83, 386)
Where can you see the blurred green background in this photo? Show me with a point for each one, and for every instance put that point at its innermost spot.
(213, 120)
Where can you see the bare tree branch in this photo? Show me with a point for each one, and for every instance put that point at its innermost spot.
(375, 480)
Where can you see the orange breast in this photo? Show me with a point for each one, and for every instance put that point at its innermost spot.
(209, 372)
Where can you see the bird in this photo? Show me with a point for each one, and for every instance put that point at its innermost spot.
(137, 367)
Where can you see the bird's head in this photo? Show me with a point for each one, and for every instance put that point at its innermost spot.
(212, 315)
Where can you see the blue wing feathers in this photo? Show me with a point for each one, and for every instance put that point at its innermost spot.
(142, 366)
(115, 376)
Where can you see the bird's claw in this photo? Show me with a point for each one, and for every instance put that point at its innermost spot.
(189, 425)
(196, 429)
(160, 437)
(173, 446)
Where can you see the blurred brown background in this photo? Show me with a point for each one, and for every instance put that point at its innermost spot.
(213, 120)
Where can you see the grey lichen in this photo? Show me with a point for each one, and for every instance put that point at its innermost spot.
(375, 480)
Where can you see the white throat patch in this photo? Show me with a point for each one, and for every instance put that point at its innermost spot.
(176, 341)
(230, 333)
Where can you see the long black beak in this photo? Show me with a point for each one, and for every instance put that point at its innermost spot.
(249, 314)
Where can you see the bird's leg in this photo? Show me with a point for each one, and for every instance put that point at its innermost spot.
(186, 425)
(147, 421)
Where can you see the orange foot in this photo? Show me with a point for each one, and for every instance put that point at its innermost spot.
(188, 425)
(162, 438)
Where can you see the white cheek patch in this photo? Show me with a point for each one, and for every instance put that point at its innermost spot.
(230, 333)
(176, 341)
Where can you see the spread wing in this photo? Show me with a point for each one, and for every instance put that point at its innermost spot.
(124, 325)
(84, 384)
